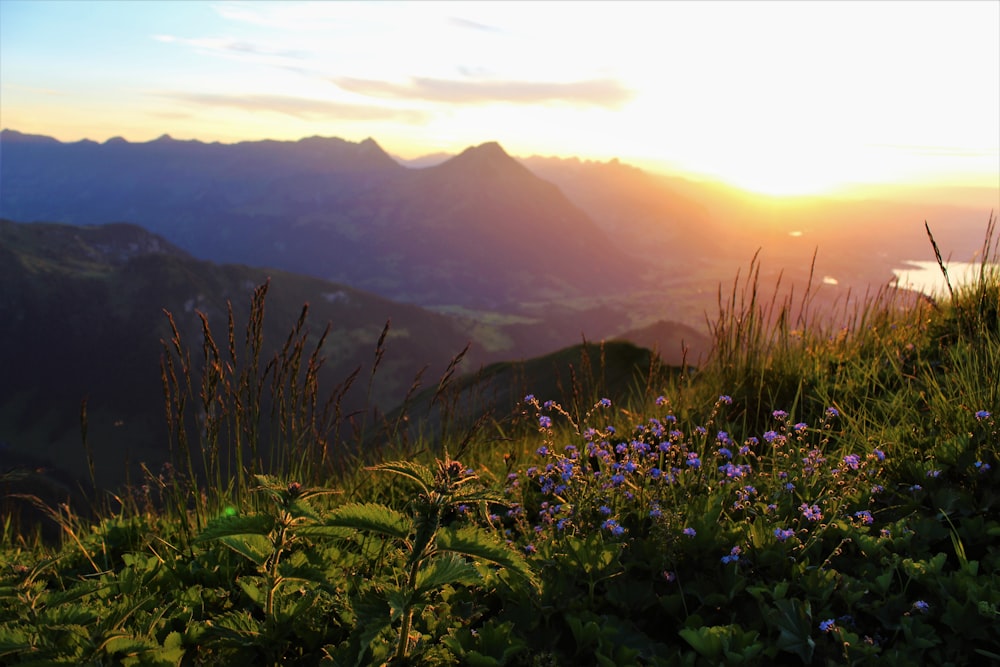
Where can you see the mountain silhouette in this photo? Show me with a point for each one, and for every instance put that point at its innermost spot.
(479, 230)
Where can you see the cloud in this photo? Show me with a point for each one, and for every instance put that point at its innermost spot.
(607, 93)
(945, 151)
(300, 107)
(234, 47)
(472, 25)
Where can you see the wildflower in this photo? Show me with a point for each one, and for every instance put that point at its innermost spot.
(801, 426)
(690, 532)
(779, 414)
(865, 516)
(852, 461)
(530, 398)
(921, 606)
(932, 474)
(916, 487)
(669, 576)
(771, 436)
(655, 473)
(982, 467)
(545, 422)
(812, 513)
(827, 626)
(732, 557)
(543, 450)
(660, 400)
(605, 402)
(724, 452)
(832, 412)
(530, 549)
(655, 512)
(693, 461)
(982, 414)
(700, 430)
(605, 510)
(885, 532)
(725, 399)
(548, 404)
(877, 488)
(613, 526)
(879, 454)
(783, 535)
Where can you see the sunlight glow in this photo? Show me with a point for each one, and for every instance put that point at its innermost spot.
(777, 98)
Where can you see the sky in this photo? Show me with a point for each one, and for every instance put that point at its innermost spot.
(775, 97)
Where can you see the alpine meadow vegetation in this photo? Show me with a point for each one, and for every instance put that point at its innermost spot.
(823, 490)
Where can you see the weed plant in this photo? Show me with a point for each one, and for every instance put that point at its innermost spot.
(815, 493)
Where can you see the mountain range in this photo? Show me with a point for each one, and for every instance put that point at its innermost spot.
(479, 230)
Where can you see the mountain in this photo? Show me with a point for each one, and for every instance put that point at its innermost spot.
(478, 230)
(636, 208)
(81, 316)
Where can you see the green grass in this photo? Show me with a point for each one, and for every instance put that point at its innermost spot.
(823, 490)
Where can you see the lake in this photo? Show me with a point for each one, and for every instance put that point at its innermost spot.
(926, 277)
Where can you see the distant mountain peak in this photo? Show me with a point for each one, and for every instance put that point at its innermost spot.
(491, 150)
(21, 137)
(486, 159)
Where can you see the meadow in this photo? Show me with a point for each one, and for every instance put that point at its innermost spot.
(823, 490)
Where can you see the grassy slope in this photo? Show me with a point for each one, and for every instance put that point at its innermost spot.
(694, 571)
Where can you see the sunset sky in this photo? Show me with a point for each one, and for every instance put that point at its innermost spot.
(778, 97)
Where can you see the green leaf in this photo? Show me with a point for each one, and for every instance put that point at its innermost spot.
(420, 474)
(256, 548)
(399, 603)
(794, 619)
(253, 591)
(224, 526)
(372, 518)
(301, 509)
(443, 570)
(707, 641)
(478, 544)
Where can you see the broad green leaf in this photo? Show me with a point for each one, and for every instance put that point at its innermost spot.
(399, 602)
(443, 570)
(256, 548)
(707, 641)
(481, 496)
(300, 508)
(372, 518)
(128, 645)
(794, 620)
(420, 474)
(478, 544)
(253, 591)
(224, 526)
(236, 628)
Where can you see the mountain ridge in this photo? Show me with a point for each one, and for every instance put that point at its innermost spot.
(477, 230)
